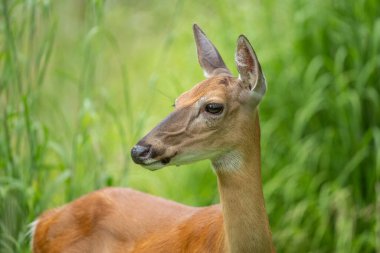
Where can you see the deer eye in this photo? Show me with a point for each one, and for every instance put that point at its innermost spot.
(214, 108)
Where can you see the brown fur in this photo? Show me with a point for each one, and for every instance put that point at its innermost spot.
(124, 220)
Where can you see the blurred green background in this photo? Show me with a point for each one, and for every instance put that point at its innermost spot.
(82, 81)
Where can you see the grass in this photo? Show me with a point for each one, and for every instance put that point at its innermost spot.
(82, 81)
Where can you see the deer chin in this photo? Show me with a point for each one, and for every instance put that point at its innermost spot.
(156, 164)
(178, 159)
(183, 158)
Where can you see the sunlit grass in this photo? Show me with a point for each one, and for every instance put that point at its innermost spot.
(81, 82)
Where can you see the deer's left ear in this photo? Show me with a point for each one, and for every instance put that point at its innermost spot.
(249, 68)
(208, 56)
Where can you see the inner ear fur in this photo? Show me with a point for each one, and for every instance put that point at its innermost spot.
(249, 68)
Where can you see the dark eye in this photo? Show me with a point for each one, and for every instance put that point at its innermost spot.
(214, 108)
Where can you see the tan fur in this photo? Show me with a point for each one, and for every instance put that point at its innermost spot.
(246, 221)
(126, 221)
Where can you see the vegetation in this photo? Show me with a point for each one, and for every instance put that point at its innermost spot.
(82, 81)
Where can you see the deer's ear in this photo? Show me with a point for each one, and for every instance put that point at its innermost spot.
(208, 56)
(249, 68)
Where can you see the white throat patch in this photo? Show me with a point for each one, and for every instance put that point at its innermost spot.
(229, 161)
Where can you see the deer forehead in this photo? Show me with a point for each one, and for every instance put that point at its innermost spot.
(214, 89)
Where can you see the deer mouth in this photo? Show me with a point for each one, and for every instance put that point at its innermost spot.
(147, 157)
(153, 164)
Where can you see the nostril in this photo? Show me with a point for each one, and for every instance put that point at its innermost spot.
(146, 151)
(138, 153)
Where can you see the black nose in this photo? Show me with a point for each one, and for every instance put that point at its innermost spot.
(140, 153)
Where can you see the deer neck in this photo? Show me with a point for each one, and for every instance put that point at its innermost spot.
(246, 223)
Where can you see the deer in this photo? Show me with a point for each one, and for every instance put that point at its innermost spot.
(218, 120)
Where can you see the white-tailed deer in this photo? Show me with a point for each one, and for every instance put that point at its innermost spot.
(216, 120)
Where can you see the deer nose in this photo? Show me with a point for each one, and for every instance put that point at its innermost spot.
(140, 153)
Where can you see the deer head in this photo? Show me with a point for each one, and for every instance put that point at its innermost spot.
(214, 118)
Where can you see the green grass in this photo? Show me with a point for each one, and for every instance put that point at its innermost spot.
(82, 81)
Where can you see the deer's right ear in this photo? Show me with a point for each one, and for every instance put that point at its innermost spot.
(249, 68)
(208, 56)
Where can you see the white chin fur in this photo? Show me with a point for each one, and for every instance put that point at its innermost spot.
(154, 165)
